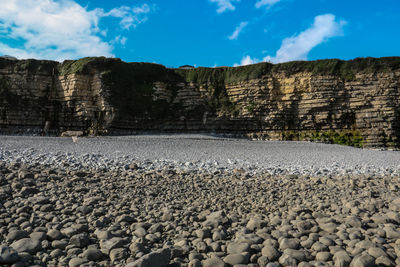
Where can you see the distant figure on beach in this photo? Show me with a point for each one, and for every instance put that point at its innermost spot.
(46, 129)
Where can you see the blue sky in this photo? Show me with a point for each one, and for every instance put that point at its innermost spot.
(200, 32)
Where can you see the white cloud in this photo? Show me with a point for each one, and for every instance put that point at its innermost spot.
(6, 50)
(224, 5)
(297, 47)
(246, 60)
(130, 16)
(59, 30)
(238, 30)
(120, 40)
(267, 3)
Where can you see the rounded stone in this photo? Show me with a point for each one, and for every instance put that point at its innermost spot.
(59, 244)
(271, 253)
(195, 263)
(80, 240)
(27, 245)
(236, 248)
(159, 258)
(299, 255)
(234, 259)
(76, 262)
(16, 235)
(54, 234)
(323, 256)
(287, 260)
(118, 254)
(8, 255)
(363, 261)
(213, 262)
(38, 235)
(92, 254)
(137, 247)
(289, 243)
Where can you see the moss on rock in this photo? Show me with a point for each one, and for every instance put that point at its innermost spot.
(83, 65)
(344, 69)
(343, 137)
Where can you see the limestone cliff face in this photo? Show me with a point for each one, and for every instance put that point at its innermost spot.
(304, 102)
(348, 102)
(35, 92)
(25, 87)
(83, 105)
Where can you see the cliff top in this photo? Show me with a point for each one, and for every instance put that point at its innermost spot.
(345, 69)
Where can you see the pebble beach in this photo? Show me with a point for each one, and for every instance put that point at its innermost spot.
(196, 200)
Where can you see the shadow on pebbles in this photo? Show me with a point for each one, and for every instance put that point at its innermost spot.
(168, 217)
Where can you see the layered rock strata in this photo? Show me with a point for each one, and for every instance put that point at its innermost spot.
(347, 102)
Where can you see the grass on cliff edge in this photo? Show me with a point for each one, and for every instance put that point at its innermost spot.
(83, 65)
(228, 75)
(31, 66)
(225, 75)
(344, 69)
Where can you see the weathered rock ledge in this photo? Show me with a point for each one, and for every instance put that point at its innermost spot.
(353, 102)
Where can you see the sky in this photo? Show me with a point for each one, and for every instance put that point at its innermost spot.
(206, 33)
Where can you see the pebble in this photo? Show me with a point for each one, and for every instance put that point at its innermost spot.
(270, 253)
(323, 256)
(59, 244)
(27, 245)
(170, 216)
(213, 262)
(76, 262)
(115, 242)
(16, 235)
(195, 263)
(118, 254)
(363, 261)
(158, 258)
(236, 248)
(80, 240)
(92, 254)
(54, 234)
(38, 235)
(289, 243)
(8, 255)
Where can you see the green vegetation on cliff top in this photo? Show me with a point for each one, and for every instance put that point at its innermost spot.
(227, 75)
(32, 66)
(345, 69)
(83, 65)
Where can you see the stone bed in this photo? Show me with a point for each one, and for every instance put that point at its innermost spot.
(196, 200)
(207, 153)
(138, 216)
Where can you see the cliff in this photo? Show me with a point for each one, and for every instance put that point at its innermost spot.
(353, 102)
